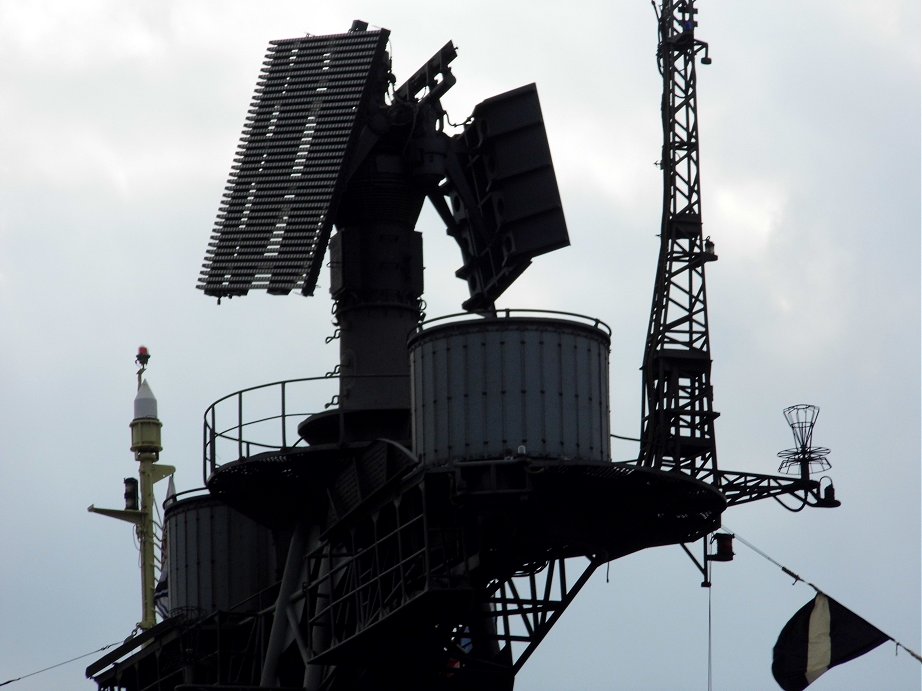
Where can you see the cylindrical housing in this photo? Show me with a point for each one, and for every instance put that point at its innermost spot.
(145, 435)
(376, 278)
(131, 494)
(484, 388)
(217, 558)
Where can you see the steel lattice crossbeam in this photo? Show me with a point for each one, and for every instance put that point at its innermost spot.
(274, 223)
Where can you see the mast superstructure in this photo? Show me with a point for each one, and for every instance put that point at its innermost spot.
(678, 409)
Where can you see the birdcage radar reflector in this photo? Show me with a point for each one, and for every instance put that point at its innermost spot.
(805, 458)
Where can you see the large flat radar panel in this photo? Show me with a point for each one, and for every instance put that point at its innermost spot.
(507, 209)
(274, 223)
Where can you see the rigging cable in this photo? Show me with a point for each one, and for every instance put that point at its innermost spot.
(618, 436)
(59, 664)
(710, 644)
(793, 510)
(818, 591)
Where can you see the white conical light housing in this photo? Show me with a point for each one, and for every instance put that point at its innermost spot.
(145, 428)
(145, 404)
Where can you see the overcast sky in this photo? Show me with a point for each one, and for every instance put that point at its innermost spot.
(119, 123)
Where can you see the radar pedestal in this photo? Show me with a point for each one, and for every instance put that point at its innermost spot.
(376, 262)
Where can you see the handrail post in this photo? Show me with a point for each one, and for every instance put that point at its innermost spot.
(284, 418)
(239, 424)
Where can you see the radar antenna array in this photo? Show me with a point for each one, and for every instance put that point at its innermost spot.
(317, 123)
(313, 95)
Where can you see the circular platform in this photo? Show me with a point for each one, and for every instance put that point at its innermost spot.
(513, 512)
(542, 509)
(275, 488)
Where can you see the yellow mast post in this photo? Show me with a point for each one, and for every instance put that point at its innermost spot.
(146, 445)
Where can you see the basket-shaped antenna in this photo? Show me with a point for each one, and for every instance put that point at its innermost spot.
(804, 459)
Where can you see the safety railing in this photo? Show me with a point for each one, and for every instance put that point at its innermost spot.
(510, 313)
(266, 417)
(262, 418)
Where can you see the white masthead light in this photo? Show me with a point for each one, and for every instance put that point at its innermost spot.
(145, 405)
(145, 428)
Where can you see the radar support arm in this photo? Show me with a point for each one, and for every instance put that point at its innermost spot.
(742, 488)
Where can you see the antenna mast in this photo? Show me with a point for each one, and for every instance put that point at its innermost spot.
(678, 412)
(139, 494)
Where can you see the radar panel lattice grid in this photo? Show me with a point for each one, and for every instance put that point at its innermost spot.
(274, 223)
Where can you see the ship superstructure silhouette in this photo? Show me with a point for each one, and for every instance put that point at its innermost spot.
(427, 526)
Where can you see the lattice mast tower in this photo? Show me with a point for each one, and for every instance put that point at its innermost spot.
(678, 411)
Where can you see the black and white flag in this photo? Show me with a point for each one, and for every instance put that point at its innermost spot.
(822, 634)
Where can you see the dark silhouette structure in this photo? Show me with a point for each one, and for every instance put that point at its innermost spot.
(427, 527)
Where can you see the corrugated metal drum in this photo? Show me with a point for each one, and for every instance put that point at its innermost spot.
(217, 557)
(484, 387)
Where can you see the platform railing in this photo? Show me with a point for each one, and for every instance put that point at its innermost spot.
(266, 417)
(514, 313)
(262, 418)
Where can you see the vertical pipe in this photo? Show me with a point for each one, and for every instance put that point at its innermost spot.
(290, 579)
(145, 531)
